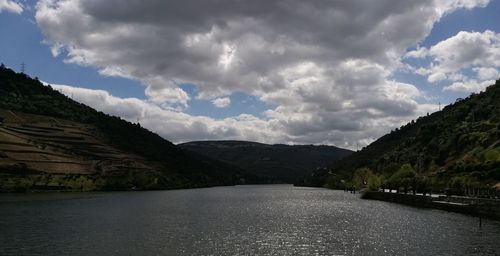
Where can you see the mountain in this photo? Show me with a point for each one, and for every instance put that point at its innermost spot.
(48, 141)
(277, 163)
(456, 148)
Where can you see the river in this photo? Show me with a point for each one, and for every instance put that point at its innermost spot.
(239, 220)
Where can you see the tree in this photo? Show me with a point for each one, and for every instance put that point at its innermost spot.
(404, 177)
(374, 183)
(361, 177)
(333, 182)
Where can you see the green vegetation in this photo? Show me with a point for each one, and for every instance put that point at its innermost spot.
(174, 167)
(455, 150)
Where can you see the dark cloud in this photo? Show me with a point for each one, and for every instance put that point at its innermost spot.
(324, 64)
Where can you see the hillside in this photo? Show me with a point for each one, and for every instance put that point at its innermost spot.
(457, 147)
(48, 141)
(278, 163)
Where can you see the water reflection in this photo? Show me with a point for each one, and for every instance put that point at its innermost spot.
(241, 220)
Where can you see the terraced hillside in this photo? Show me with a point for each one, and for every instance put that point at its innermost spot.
(49, 141)
(60, 147)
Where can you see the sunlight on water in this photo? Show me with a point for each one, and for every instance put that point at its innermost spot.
(241, 220)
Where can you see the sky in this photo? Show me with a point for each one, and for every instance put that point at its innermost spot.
(340, 73)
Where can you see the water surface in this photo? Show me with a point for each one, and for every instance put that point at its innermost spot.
(240, 220)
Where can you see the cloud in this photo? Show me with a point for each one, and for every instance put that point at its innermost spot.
(420, 52)
(11, 6)
(437, 76)
(487, 73)
(469, 59)
(174, 125)
(467, 49)
(469, 86)
(450, 5)
(221, 102)
(276, 127)
(167, 94)
(325, 65)
(224, 46)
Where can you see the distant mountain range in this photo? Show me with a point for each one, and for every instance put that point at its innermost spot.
(48, 141)
(457, 147)
(276, 163)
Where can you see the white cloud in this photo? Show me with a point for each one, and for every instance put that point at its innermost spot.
(487, 73)
(467, 49)
(470, 60)
(438, 76)
(174, 125)
(420, 52)
(325, 65)
(277, 127)
(221, 102)
(11, 6)
(167, 94)
(445, 6)
(469, 86)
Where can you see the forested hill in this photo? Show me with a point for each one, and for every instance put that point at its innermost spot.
(38, 121)
(452, 148)
(277, 163)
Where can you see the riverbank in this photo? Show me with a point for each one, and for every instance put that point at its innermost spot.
(487, 208)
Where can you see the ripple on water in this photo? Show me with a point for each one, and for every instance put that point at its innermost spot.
(241, 220)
